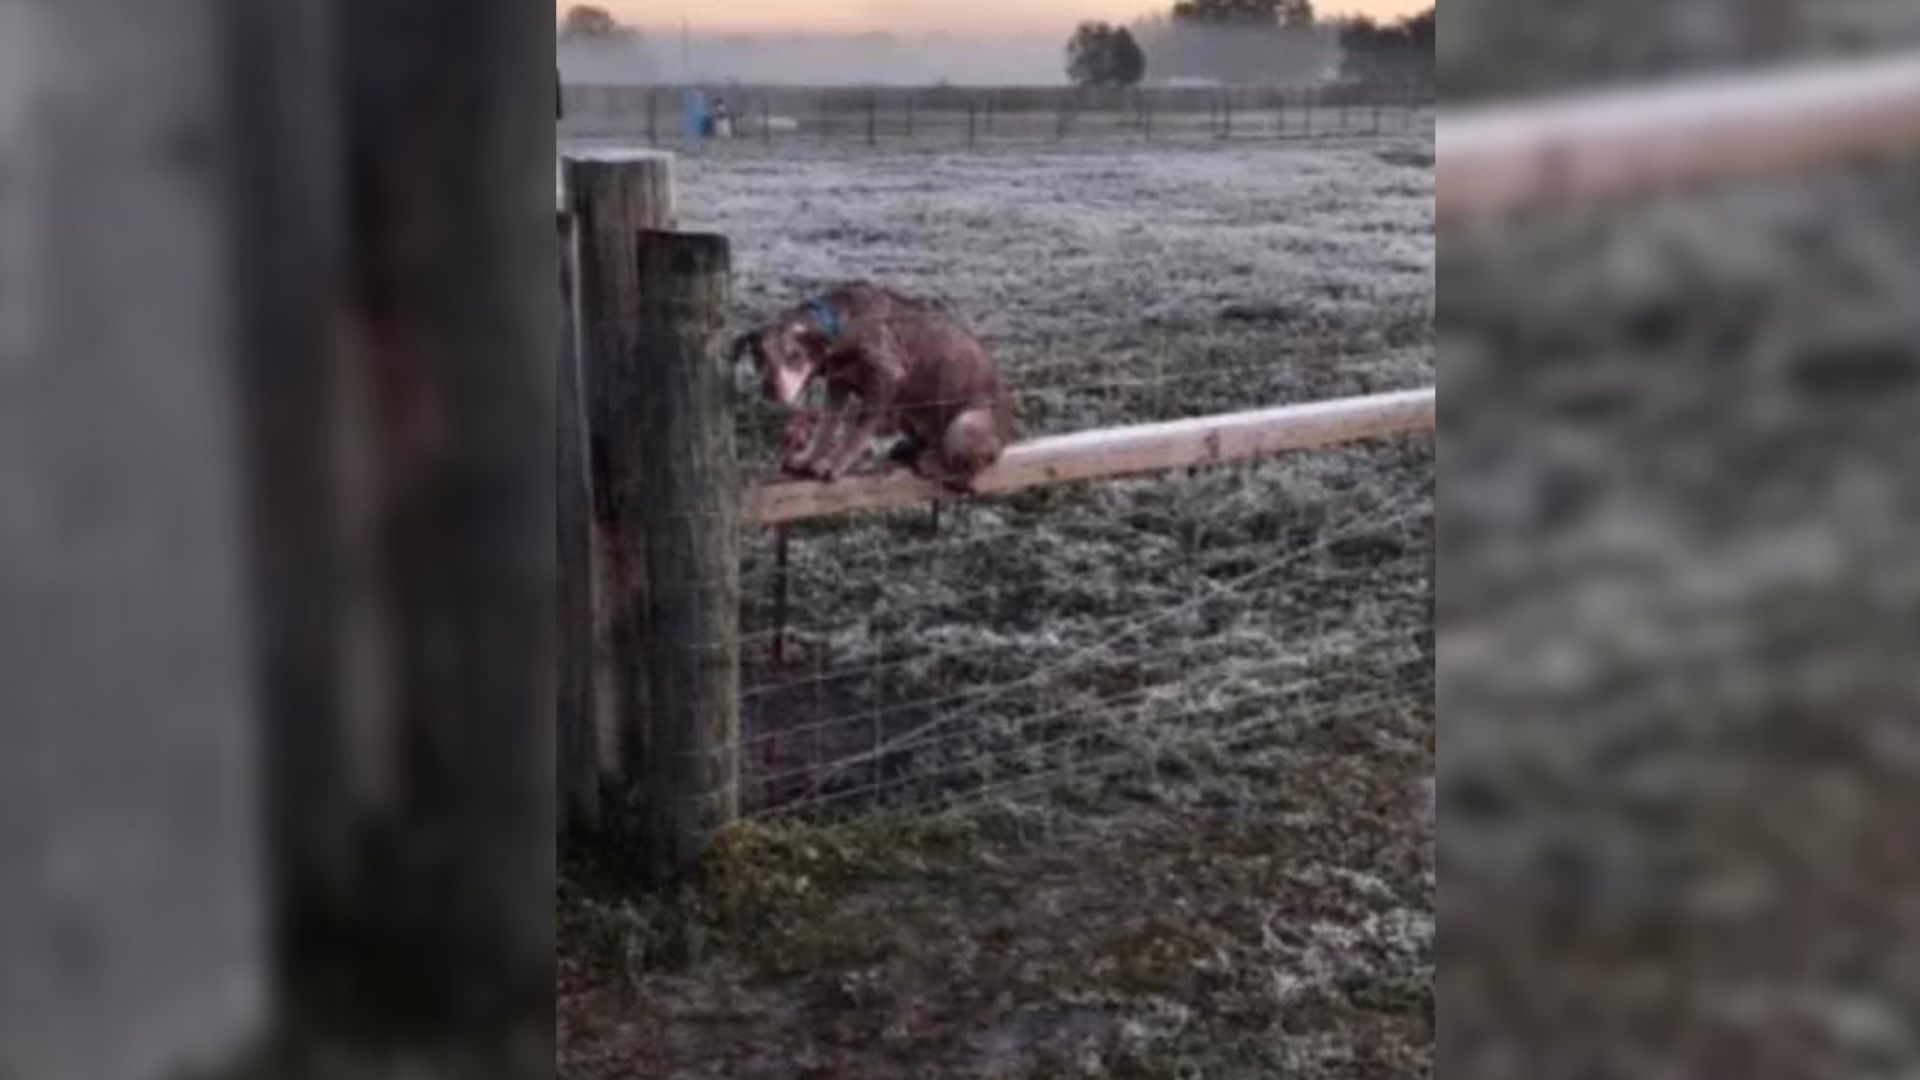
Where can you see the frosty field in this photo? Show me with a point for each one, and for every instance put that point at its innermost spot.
(1178, 723)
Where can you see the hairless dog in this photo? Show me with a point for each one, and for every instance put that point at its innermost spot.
(890, 364)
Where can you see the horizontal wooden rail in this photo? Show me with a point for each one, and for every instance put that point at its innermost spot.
(1625, 142)
(1110, 452)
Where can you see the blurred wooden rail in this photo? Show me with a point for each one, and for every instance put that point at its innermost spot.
(1112, 452)
(1624, 142)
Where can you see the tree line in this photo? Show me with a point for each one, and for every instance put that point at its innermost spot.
(1400, 52)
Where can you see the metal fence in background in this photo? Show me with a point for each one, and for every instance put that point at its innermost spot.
(956, 115)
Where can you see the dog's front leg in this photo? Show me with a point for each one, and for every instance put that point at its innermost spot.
(864, 427)
(875, 406)
(826, 427)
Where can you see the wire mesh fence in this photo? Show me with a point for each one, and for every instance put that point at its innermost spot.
(1143, 629)
(955, 116)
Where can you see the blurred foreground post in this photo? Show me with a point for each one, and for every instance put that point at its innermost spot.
(612, 199)
(133, 903)
(674, 442)
(448, 138)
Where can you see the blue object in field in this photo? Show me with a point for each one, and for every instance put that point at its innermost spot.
(693, 114)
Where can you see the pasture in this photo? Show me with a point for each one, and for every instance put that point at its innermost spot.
(1113, 780)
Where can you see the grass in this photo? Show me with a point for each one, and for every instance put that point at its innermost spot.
(1145, 803)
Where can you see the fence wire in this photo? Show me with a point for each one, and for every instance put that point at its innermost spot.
(1173, 623)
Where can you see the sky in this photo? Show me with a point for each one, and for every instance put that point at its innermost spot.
(969, 17)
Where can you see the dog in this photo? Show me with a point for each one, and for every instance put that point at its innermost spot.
(891, 365)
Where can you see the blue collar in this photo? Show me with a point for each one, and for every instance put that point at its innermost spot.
(823, 315)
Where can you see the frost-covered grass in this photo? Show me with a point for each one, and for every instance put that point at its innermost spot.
(1184, 717)
(1678, 608)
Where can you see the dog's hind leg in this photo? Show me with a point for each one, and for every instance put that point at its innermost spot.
(971, 444)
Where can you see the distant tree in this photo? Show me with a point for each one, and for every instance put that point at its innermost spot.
(1129, 60)
(588, 22)
(1399, 54)
(1100, 54)
(1293, 14)
(1420, 29)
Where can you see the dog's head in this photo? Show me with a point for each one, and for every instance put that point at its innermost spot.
(781, 358)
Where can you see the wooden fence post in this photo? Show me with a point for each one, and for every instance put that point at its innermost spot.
(612, 199)
(682, 524)
(578, 746)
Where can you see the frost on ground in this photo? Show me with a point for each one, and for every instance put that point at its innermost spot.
(1678, 635)
(1678, 612)
(1178, 724)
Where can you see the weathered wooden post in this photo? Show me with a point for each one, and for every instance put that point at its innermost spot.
(612, 198)
(578, 745)
(679, 521)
